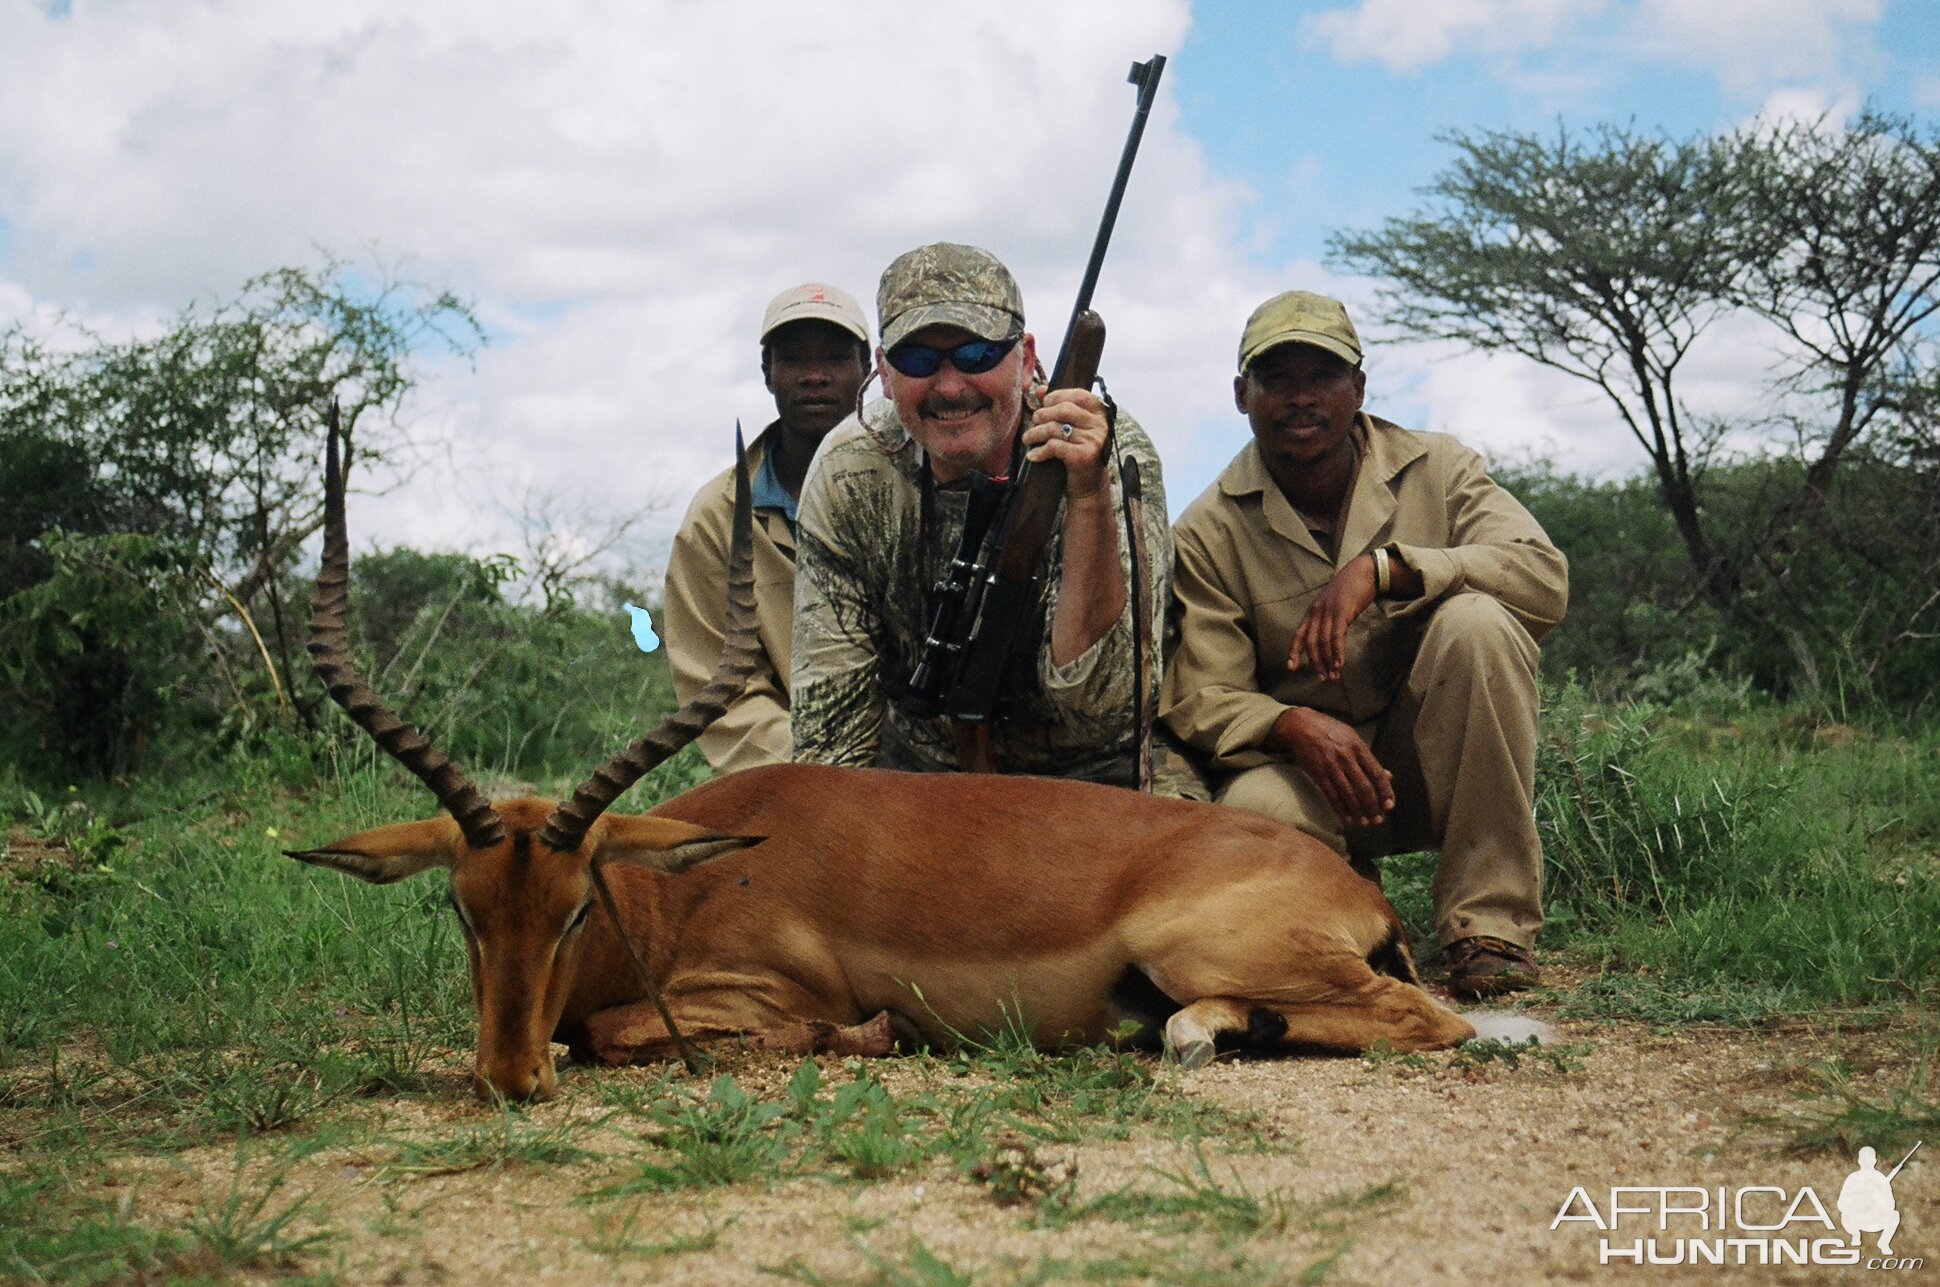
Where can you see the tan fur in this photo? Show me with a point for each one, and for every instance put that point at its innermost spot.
(959, 903)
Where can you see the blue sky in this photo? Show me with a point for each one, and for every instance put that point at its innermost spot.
(620, 188)
(1329, 140)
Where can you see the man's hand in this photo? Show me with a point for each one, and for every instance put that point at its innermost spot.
(1071, 427)
(1320, 640)
(1340, 763)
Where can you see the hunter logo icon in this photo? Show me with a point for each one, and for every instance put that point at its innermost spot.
(643, 636)
(1866, 1200)
(1749, 1225)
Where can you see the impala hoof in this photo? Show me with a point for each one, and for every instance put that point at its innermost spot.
(1188, 1040)
(1194, 1054)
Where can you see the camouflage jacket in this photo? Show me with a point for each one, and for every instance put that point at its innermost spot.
(864, 572)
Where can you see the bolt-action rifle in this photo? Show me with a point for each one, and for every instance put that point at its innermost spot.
(988, 593)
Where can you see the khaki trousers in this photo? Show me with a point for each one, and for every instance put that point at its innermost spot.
(1460, 740)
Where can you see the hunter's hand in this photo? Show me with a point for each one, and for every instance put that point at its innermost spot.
(1320, 640)
(1071, 427)
(1340, 763)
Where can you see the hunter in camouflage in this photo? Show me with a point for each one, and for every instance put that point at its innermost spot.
(884, 507)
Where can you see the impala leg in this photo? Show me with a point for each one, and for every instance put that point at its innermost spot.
(1384, 1010)
(870, 1040)
(633, 1033)
(1190, 1033)
(1243, 986)
(1379, 1010)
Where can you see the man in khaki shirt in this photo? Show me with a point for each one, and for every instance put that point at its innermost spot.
(814, 359)
(1358, 610)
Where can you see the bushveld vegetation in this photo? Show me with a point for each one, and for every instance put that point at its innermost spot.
(1739, 795)
(170, 982)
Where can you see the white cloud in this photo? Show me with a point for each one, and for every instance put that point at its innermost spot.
(620, 187)
(1751, 45)
(1408, 35)
(1512, 409)
(1802, 105)
(1816, 47)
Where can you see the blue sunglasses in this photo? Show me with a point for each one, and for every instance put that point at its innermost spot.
(973, 357)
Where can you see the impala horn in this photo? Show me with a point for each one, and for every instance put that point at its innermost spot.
(330, 657)
(572, 819)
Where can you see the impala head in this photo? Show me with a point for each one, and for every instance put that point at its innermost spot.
(522, 871)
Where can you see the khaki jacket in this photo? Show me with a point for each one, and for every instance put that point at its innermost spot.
(1247, 569)
(754, 729)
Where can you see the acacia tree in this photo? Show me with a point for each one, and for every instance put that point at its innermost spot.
(1606, 255)
(203, 441)
(1603, 256)
(1849, 220)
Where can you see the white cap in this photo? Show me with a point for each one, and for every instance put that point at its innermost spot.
(815, 302)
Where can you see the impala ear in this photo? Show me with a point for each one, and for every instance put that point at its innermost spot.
(665, 844)
(386, 854)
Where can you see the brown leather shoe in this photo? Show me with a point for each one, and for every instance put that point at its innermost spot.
(1484, 967)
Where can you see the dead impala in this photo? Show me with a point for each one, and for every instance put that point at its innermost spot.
(811, 908)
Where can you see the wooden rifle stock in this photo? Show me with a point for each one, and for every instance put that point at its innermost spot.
(1003, 599)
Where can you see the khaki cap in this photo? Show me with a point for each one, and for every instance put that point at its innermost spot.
(1300, 317)
(944, 284)
(815, 302)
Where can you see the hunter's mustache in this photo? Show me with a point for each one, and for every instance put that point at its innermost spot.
(940, 406)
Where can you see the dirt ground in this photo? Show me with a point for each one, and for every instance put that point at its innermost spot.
(1423, 1170)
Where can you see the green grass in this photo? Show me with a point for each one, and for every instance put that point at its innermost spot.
(50, 1233)
(620, 1239)
(1191, 1199)
(1532, 1055)
(916, 1266)
(246, 1225)
(1651, 999)
(1839, 1114)
(1732, 864)
(724, 1136)
(168, 979)
(1726, 861)
(509, 1139)
(858, 1130)
(913, 1264)
(1090, 1091)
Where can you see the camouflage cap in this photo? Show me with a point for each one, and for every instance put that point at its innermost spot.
(944, 284)
(1300, 317)
(815, 302)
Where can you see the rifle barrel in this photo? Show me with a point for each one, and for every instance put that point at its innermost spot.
(1145, 75)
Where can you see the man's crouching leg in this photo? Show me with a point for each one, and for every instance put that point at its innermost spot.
(1462, 735)
(1283, 792)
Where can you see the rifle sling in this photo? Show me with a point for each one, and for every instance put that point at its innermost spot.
(1141, 598)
